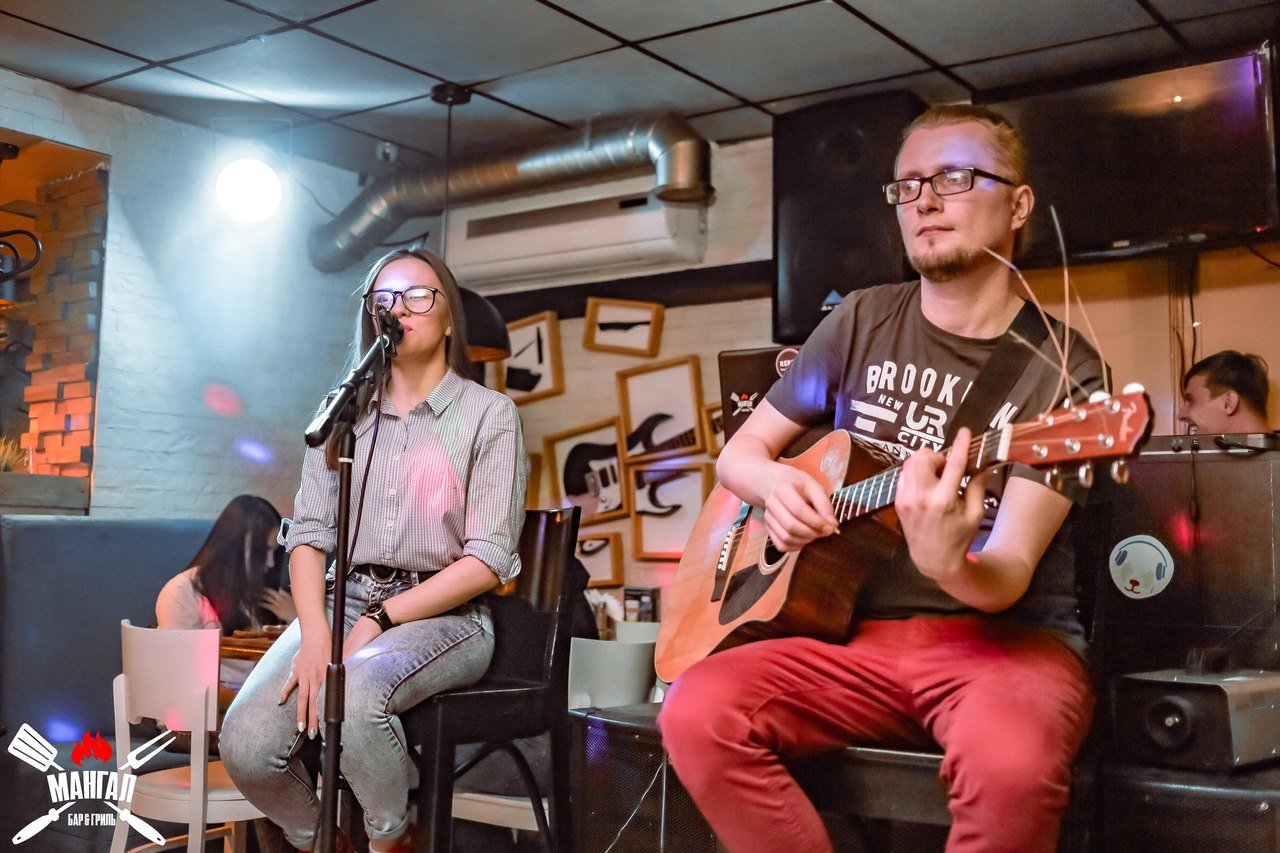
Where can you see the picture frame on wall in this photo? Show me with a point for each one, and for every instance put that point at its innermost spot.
(601, 553)
(533, 490)
(713, 427)
(585, 465)
(535, 369)
(666, 500)
(661, 406)
(623, 325)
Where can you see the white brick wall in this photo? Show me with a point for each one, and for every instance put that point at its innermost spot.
(189, 301)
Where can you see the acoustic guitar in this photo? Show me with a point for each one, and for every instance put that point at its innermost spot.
(733, 586)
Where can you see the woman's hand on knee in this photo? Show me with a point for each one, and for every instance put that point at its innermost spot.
(310, 663)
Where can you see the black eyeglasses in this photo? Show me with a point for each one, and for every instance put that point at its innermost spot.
(417, 300)
(946, 182)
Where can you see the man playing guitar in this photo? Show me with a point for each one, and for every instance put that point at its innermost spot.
(969, 637)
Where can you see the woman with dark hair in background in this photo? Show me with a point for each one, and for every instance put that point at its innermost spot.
(438, 488)
(225, 585)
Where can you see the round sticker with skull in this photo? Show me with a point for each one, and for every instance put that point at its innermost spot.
(1141, 566)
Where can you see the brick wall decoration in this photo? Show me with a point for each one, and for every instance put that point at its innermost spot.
(65, 311)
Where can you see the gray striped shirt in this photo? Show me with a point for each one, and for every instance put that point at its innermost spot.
(446, 482)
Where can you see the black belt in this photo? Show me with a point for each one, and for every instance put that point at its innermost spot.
(387, 574)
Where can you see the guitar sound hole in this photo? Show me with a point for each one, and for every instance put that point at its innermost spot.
(770, 557)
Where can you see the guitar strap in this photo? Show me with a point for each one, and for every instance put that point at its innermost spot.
(1001, 371)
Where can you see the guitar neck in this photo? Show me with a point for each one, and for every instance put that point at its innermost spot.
(684, 439)
(879, 490)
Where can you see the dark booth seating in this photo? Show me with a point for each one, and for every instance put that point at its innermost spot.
(65, 584)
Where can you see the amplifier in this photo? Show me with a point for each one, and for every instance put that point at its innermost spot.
(1206, 722)
(626, 797)
(1153, 810)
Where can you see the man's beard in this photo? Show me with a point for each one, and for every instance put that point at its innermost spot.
(946, 264)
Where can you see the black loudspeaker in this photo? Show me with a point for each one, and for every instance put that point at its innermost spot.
(832, 231)
(746, 375)
(1146, 810)
(626, 797)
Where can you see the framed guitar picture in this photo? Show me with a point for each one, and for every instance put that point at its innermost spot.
(586, 470)
(666, 501)
(713, 427)
(662, 409)
(621, 325)
(534, 369)
(601, 553)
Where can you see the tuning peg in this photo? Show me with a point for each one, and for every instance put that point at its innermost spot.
(1098, 396)
(1053, 478)
(1120, 471)
(1134, 388)
(1085, 474)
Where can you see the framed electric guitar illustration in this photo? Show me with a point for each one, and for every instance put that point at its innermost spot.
(665, 503)
(662, 409)
(586, 470)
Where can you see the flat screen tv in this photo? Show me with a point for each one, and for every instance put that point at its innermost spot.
(1176, 158)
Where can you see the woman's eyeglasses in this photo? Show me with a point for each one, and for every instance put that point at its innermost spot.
(417, 300)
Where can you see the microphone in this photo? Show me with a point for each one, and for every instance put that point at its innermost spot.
(389, 325)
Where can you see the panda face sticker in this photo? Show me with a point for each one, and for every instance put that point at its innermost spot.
(1141, 566)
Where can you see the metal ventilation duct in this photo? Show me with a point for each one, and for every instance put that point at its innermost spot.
(680, 158)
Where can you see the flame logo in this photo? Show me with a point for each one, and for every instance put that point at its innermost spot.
(91, 746)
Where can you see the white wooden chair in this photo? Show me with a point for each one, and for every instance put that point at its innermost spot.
(172, 676)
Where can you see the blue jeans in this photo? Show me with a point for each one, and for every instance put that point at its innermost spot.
(260, 741)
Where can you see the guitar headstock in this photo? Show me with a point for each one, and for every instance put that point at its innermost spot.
(1108, 428)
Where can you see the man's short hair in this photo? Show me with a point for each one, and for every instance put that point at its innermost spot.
(1004, 136)
(1229, 370)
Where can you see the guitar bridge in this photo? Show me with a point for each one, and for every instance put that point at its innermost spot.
(729, 550)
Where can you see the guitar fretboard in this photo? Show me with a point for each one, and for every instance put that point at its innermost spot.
(879, 490)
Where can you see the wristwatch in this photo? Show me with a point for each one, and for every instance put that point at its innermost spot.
(378, 613)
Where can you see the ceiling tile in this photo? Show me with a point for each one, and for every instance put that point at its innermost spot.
(1257, 25)
(466, 40)
(154, 29)
(298, 10)
(643, 20)
(933, 87)
(346, 149)
(619, 82)
(961, 32)
(1151, 43)
(1176, 10)
(308, 72)
(796, 50)
(732, 125)
(482, 123)
(168, 93)
(51, 56)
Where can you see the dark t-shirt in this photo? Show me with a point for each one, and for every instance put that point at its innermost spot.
(877, 368)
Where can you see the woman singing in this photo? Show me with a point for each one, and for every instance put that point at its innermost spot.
(441, 464)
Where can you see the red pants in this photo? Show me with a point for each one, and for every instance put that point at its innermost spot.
(1010, 706)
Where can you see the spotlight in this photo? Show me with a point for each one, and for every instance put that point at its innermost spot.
(249, 190)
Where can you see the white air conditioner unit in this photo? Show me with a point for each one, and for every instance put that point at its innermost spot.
(602, 228)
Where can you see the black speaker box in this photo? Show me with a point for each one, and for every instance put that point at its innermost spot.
(626, 797)
(832, 231)
(1184, 556)
(746, 375)
(1148, 810)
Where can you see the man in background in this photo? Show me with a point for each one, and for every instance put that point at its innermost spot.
(1225, 392)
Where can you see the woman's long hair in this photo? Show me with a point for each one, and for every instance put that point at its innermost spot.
(226, 573)
(365, 333)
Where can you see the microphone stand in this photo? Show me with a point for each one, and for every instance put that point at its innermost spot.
(340, 414)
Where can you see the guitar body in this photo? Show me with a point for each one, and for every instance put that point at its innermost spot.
(762, 594)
